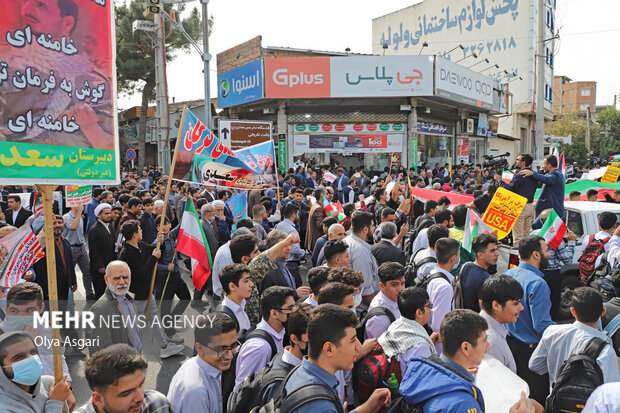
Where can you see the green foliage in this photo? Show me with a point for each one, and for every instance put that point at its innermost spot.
(577, 152)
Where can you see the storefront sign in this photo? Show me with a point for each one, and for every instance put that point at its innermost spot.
(503, 211)
(241, 134)
(379, 76)
(463, 85)
(282, 155)
(330, 143)
(487, 126)
(297, 77)
(432, 128)
(348, 127)
(240, 85)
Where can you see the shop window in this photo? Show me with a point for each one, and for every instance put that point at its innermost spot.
(585, 92)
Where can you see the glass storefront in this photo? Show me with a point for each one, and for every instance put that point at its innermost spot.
(434, 149)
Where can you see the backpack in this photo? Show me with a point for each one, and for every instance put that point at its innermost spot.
(375, 311)
(601, 279)
(458, 288)
(229, 376)
(410, 236)
(400, 405)
(612, 327)
(285, 403)
(424, 283)
(373, 371)
(221, 308)
(411, 269)
(576, 379)
(587, 261)
(251, 393)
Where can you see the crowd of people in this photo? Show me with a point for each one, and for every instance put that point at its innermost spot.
(305, 300)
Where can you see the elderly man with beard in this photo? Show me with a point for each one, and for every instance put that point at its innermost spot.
(116, 303)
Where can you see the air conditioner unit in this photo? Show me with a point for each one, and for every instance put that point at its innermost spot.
(470, 126)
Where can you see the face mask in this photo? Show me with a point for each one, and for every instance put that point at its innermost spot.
(27, 371)
(304, 351)
(357, 300)
(16, 322)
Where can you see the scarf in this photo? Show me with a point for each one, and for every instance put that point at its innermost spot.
(402, 335)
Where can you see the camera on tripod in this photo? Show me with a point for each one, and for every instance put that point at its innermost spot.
(497, 161)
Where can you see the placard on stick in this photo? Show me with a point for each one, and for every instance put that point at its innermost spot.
(503, 211)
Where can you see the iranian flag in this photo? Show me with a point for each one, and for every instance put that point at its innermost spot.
(193, 243)
(473, 226)
(553, 230)
(507, 176)
(331, 207)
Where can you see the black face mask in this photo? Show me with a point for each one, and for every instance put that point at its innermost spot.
(304, 351)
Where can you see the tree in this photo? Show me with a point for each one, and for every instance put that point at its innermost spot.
(609, 143)
(135, 59)
(575, 125)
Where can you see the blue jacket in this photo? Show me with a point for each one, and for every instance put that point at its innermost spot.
(91, 218)
(441, 390)
(552, 193)
(521, 185)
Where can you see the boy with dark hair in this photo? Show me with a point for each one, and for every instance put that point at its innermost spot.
(197, 386)
(559, 342)
(500, 298)
(440, 288)
(275, 304)
(134, 208)
(243, 248)
(444, 383)
(237, 286)
(116, 377)
(23, 387)
(337, 293)
(317, 277)
(406, 337)
(425, 260)
(348, 276)
(428, 219)
(333, 347)
(391, 283)
(336, 253)
(473, 274)
(147, 221)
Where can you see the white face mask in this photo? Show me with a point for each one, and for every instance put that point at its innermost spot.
(357, 299)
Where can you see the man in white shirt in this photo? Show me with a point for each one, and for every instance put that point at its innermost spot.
(222, 259)
(197, 385)
(501, 303)
(317, 277)
(425, 260)
(559, 342)
(442, 217)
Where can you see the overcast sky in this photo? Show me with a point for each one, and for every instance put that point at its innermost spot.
(589, 37)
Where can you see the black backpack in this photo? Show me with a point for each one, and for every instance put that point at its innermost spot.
(424, 283)
(601, 279)
(241, 334)
(229, 376)
(251, 393)
(286, 403)
(576, 379)
(375, 311)
(410, 236)
(411, 269)
(400, 405)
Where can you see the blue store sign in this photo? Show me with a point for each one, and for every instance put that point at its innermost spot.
(240, 85)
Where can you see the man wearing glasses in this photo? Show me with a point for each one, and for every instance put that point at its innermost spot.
(197, 385)
(262, 344)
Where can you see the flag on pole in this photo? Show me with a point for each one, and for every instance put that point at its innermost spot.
(562, 163)
(473, 226)
(330, 207)
(19, 251)
(553, 230)
(37, 210)
(193, 243)
(341, 215)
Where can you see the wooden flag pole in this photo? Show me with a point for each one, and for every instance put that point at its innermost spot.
(163, 211)
(47, 193)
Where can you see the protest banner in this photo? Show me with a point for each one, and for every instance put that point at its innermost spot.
(78, 195)
(503, 211)
(431, 194)
(261, 159)
(58, 122)
(18, 251)
(238, 205)
(202, 158)
(611, 175)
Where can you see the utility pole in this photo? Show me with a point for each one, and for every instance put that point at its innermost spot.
(588, 132)
(540, 82)
(161, 92)
(206, 57)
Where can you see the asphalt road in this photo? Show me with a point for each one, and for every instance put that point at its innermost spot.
(160, 372)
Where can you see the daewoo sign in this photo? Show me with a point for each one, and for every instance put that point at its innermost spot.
(458, 83)
(297, 77)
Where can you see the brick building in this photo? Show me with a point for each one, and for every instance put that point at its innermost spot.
(573, 97)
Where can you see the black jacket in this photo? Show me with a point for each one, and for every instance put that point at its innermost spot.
(22, 216)
(141, 263)
(101, 247)
(276, 277)
(65, 273)
(383, 251)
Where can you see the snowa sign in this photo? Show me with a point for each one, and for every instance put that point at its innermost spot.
(240, 85)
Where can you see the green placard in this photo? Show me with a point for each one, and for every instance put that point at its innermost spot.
(282, 155)
(78, 195)
(414, 155)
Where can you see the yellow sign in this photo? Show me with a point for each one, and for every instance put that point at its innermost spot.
(503, 211)
(612, 174)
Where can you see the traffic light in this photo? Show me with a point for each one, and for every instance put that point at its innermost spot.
(151, 8)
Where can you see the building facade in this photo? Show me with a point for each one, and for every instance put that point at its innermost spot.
(573, 97)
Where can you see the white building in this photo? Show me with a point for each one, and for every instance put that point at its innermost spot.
(495, 37)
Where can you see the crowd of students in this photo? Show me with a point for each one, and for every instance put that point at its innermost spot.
(389, 284)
